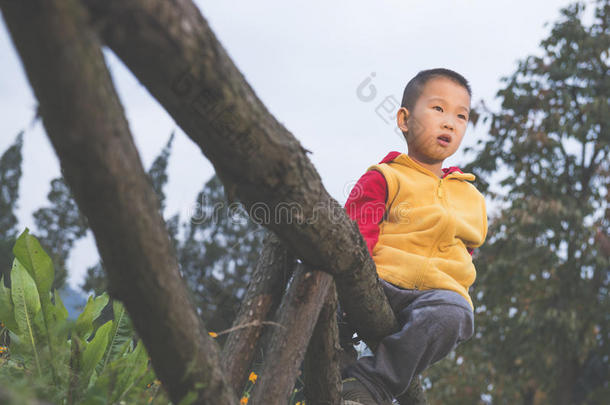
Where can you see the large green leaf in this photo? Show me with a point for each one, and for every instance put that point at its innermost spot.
(94, 352)
(138, 365)
(93, 309)
(34, 259)
(121, 332)
(26, 306)
(7, 314)
(39, 266)
(60, 312)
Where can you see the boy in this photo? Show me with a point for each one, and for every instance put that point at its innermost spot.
(420, 223)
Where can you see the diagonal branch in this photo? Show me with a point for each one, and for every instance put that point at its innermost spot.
(84, 120)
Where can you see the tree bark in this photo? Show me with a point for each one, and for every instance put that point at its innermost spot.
(85, 122)
(285, 349)
(322, 376)
(264, 294)
(170, 48)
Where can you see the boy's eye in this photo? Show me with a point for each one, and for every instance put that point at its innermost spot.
(462, 116)
(439, 107)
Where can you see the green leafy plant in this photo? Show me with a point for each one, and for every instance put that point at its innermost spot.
(67, 362)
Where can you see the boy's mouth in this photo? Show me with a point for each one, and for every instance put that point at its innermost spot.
(444, 139)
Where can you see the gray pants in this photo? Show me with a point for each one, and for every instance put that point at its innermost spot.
(432, 323)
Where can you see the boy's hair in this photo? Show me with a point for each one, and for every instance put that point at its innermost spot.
(416, 85)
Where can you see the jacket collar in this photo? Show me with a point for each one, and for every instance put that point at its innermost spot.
(453, 172)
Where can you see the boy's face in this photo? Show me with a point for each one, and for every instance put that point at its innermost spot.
(438, 121)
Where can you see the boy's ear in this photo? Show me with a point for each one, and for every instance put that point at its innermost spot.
(401, 119)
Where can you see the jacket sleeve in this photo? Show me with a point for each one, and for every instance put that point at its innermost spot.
(366, 205)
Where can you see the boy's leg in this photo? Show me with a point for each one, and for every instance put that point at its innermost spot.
(433, 323)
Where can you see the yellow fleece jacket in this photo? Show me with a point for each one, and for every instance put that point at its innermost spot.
(428, 224)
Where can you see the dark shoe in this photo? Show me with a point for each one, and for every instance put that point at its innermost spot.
(354, 392)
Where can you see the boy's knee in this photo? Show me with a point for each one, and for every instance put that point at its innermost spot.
(451, 323)
(458, 322)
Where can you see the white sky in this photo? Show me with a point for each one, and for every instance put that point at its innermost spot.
(305, 60)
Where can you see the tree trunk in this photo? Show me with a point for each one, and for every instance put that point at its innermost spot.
(285, 349)
(564, 394)
(264, 294)
(322, 377)
(84, 120)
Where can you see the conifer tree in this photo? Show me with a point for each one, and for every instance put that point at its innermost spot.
(219, 250)
(10, 174)
(59, 226)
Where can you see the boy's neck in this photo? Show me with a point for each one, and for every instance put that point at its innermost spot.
(432, 165)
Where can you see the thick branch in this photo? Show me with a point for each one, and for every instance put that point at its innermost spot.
(170, 48)
(84, 120)
(265, 292)
(322, 376)
(285, 349)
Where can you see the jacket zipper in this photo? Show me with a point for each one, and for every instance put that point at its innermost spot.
(420, 279)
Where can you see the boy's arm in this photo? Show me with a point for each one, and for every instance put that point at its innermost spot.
(366, 205)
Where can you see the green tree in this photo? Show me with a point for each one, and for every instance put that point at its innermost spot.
(10, 174)
(59, 226)
(157, 174)
(542, 286)
(218, 253)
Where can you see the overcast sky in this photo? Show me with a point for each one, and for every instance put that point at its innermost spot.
(306, 61)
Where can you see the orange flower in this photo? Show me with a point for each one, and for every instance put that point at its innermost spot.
(213, 334)
(243, 401)
(253, 377)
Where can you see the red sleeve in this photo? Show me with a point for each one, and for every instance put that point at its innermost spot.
(470, 250)
(366, 205)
